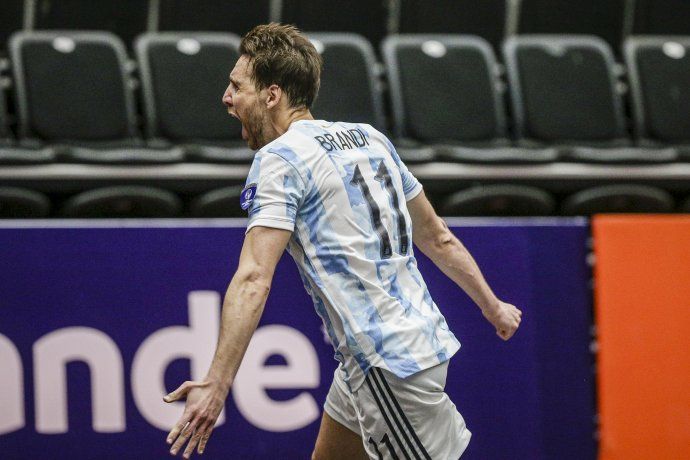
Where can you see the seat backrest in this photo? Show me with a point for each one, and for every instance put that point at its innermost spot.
(4, 131)
(659, 69)
(368, 18)
(564, 88)
(183, 79)
(604, 19)
(124, 18)
(484, 18)
(662, 17)
(444, 87)
(72, 86)
(237, 16)
(11, 20)
(350, 90)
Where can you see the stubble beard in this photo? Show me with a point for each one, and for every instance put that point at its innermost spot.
(256, 138)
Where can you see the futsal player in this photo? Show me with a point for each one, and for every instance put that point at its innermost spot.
(337, 196)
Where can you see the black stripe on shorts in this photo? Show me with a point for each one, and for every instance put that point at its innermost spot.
(402, 415)
(388, 422)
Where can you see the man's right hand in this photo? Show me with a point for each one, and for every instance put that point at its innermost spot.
(205, 401)
(505, 318)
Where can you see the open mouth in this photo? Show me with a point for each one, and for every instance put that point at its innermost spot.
(245, 133)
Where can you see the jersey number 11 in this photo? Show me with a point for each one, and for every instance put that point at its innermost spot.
(382, 175)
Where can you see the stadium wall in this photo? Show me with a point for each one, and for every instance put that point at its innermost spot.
(98, 319)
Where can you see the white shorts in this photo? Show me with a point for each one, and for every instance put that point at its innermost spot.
(410, 418)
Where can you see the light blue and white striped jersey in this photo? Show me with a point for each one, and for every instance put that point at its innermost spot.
(341, 188)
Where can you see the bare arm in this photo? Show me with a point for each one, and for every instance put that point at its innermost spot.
(432, 236)
(242, 308)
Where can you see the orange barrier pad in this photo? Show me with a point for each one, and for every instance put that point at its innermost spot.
(642, 311)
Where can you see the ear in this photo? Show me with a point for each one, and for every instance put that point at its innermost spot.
(274, 94)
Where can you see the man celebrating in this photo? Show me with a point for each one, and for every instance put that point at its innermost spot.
(339, 198)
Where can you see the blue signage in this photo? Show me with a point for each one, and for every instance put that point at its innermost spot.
(98, 320)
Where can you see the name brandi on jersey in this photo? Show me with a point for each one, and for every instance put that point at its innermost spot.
(343, 140)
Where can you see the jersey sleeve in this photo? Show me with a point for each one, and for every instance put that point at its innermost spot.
(273, 193)
(411, 186)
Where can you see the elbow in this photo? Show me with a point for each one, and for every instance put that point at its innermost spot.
(254, 282)
(435, 238)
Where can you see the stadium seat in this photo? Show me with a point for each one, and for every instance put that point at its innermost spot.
(184, 76)
(564, 93)
(484, 18)
(605, 19)
(124, 18)
(22, 203)
(685, 206)
(659, 69)
(123, 201)
(662, 17)
(72, 90)
(11, 20)
(222, 202)
(444, 90)
(350, 90)
(618, 199)
(368, 18)
(237, 16)
(499, 200)
(10, 152)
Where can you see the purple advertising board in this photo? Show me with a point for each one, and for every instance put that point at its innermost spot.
(99, 319)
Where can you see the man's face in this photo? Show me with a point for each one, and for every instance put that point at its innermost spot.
(244, 103)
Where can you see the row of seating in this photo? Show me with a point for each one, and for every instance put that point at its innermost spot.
(484, 200)
(75, 101)
(491, 19)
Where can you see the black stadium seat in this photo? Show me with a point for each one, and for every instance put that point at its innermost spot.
(564, 93)
(11, 20)
(618, 198)
(72, 89)
(123, 201)
(222, 202)
(237, 16)
(124, 18)
(605, 19)
(484, 18)
(499, 200)
(444, 90)
(659, 69)
(662, 17)
(22, 203)
(364, 17)
(10, 152)
(685, 206)
(350, 90)
(184, 76)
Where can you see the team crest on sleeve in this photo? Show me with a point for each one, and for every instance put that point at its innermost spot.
(247, 196)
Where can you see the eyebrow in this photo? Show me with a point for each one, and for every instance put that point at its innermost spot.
(233, 81)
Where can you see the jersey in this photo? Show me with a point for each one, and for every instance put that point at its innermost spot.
(342, 189)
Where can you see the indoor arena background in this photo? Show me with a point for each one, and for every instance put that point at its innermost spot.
(554, 135)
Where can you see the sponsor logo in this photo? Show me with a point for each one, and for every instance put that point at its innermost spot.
(196, 342)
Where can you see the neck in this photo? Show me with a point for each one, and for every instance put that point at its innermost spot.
(282, 121)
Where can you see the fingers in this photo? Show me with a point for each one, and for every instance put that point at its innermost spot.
(174, 433)
(184, 435)
(194, 441)
(198, 433)
(505, 334)
(182, 390)
(204, 439)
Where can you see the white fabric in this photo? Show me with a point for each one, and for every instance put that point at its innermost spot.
(423, 409)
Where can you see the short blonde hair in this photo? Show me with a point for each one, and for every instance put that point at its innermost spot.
(279, 54)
